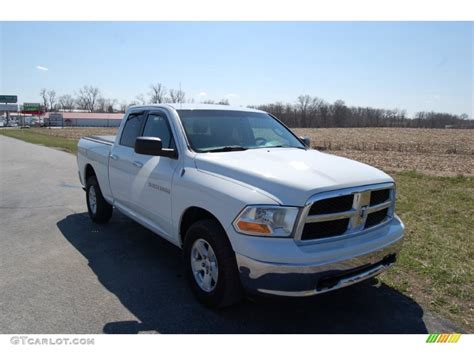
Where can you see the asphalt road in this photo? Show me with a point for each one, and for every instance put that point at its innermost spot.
(60, 273)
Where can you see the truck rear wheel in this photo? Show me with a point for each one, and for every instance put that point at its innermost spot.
(211, 266)
(100, 211)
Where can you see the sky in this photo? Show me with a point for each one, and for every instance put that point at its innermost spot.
(417, 66)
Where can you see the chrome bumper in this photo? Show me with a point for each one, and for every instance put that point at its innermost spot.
(299, 280)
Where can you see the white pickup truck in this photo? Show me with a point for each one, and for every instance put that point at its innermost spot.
(252, 206)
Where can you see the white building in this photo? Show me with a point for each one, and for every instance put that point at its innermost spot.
(82, 119)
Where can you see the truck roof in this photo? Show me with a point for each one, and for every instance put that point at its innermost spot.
(178, 106)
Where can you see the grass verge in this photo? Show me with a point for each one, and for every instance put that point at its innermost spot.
(32, 136)
(436, 265)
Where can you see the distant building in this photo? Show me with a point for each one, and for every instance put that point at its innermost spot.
(82, 119)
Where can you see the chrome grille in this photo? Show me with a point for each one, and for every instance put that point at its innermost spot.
(347, 211)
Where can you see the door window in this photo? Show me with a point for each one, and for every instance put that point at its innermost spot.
(132, 129)
(157, 126)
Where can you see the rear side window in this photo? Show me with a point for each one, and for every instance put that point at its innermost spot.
(157, 126)
(132, 129)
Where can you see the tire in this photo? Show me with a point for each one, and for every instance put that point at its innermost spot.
(225, 289)
(100, 211)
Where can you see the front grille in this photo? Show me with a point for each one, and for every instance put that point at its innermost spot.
(375, 218)
(325, 229)
(337, 214)
(379, 196)
(332, 205)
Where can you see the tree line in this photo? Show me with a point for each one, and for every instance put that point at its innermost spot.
(313, 112)
(307, 112)
(90, 99)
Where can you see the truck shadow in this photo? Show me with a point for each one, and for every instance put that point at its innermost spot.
(145, 272)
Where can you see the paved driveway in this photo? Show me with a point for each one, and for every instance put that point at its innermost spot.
(60, 273)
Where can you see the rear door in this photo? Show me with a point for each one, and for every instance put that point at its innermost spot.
(121, 163)
(151, 188)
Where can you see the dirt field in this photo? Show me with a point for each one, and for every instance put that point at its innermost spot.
(436, 152)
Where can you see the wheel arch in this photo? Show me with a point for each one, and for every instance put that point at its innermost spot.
(88, 172)
(191, 215)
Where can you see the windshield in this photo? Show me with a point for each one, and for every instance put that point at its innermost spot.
(215, 130)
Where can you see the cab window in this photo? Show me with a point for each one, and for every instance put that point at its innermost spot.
(132, 129)
(157, 126)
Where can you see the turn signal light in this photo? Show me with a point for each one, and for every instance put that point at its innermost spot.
(251, 227)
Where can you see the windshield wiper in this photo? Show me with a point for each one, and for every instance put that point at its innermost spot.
(230, 148)
(279, 146)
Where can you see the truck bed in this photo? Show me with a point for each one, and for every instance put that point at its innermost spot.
(95, 150)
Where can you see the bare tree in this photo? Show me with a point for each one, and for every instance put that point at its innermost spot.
(44, 97)
(340, 113)
(209, 102)
(87, 98)
(101, 104)
(133, 103)
(303, 104)
(157, 94)
(223, 102)
(123, 106)
(111, 103)
(177, 96)
(49, 99)
(66, 102)
(141, 99)
(220, 102)
(106, 105)
(52, 99)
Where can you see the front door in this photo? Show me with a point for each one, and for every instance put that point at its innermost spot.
(151, 188)
(121, 161)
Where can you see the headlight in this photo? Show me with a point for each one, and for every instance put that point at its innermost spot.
(273, 221)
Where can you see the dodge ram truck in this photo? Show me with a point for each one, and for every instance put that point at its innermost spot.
(252, 206)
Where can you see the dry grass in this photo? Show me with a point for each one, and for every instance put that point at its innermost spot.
(76, 133)
(437, 152)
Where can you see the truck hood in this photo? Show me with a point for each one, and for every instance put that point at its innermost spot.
(288, 175)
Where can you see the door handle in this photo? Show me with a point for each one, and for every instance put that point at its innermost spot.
(137, 164)
(113, 157)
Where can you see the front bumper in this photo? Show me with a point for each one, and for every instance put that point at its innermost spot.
(323, 275)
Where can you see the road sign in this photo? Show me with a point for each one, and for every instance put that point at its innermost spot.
(8, 99)
(9, 108)
(30, 106)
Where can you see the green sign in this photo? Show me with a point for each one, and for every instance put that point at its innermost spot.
(28, 106)
(8, 99)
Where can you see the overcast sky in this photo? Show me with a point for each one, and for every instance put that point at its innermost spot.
(420, 66)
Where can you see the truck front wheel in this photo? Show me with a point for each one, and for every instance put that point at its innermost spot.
(211, 267)
(100, 211)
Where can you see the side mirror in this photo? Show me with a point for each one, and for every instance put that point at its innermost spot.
(153, 146)
(306, 141)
